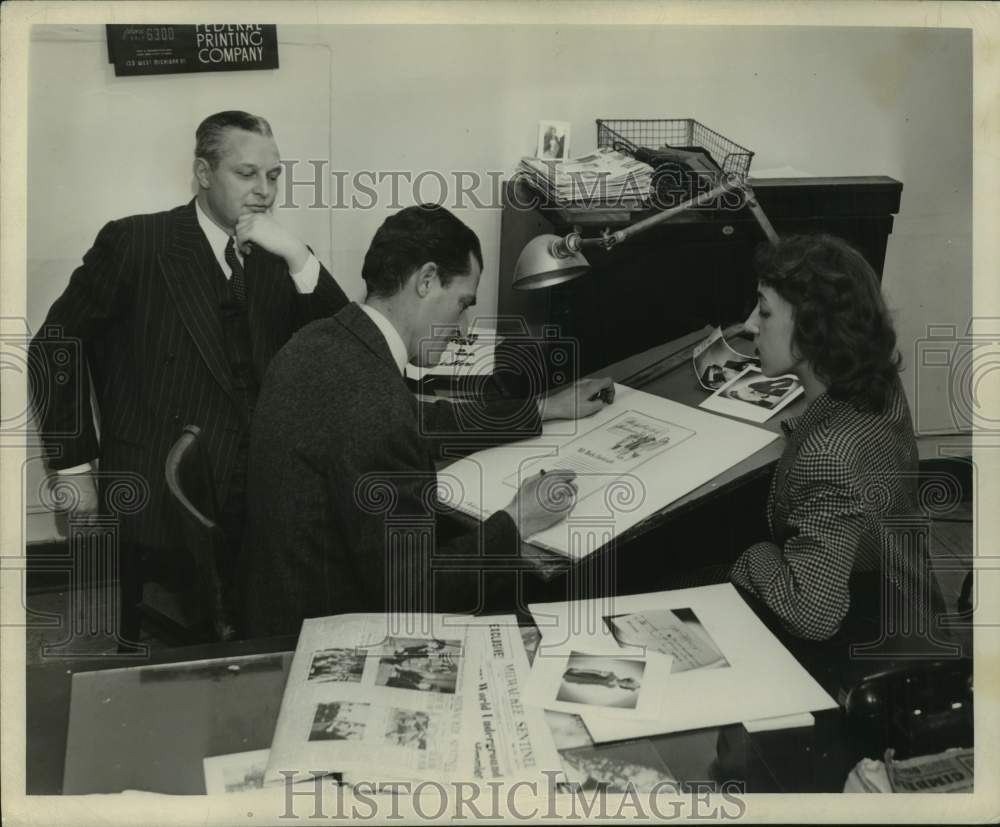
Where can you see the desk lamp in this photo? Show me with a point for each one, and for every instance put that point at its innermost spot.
(548, 260)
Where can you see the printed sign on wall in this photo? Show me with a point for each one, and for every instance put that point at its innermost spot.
(170, 49)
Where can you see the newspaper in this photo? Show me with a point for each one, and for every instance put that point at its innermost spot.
(515, 742)
(384, 707)
(603, 175)
(383, 695)
(952, 771)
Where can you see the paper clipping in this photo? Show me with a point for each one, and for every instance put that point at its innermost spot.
(674, 632)
(716, 363)
(753, 396)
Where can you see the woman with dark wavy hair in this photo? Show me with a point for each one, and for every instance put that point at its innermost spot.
(851, 459)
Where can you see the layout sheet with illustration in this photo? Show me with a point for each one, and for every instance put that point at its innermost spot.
(632, 458)
(728, 667)
(608, 451)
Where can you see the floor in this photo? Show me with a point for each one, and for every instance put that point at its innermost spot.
(49, 632)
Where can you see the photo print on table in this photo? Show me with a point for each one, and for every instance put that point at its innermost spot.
(339, 721)
(599, 680)
(344, 665)
(675, 632)
(753, 396)
(757, 390)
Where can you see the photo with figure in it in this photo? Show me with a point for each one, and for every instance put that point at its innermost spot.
(599, 680)
(339, 721)
(407, 728)
(424, 665)
(337, 665)
(767, 393)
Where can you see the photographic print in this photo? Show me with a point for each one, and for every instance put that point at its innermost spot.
(601, 681)
(407, 728)
(345, 665)
(236, 772)
(339, 721)
(617, 768)
(568, 730)
(553, 140)
(674, 632)
(753, 396)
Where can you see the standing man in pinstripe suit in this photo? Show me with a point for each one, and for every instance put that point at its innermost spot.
(178, 314)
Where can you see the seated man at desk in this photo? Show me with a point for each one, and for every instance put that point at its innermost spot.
(342, 494)
(851, 457)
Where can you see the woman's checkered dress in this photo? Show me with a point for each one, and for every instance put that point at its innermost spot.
(842, 474)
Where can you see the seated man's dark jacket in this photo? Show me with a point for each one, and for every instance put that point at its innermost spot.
(343, 508)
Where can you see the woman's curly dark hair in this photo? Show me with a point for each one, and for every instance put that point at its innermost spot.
(842, 326)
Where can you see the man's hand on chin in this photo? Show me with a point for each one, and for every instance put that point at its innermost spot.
(583, 398)
(262, 229)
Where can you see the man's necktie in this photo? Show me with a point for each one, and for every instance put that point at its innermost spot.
(239, 277)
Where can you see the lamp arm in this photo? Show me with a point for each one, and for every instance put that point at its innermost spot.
(758, 213)
(608, 240)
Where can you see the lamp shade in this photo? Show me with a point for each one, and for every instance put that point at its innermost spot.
(545, 261)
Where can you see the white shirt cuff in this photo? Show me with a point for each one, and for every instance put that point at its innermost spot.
(308, 277)
(85, 468)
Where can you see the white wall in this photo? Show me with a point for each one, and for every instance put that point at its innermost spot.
(829, 101)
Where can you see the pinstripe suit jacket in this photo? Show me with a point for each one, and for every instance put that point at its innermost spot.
(842, 474)
(144, 307)
(342, 502)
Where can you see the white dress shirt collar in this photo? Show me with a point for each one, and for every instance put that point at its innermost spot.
(392, 338)
(217, 239)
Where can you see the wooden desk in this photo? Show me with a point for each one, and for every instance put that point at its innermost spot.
(136, 741)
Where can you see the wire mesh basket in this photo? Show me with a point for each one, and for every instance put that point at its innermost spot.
(633, 135)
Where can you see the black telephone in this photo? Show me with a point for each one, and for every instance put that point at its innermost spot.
(917, 709)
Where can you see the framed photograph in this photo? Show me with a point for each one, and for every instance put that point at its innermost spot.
(553, 140)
